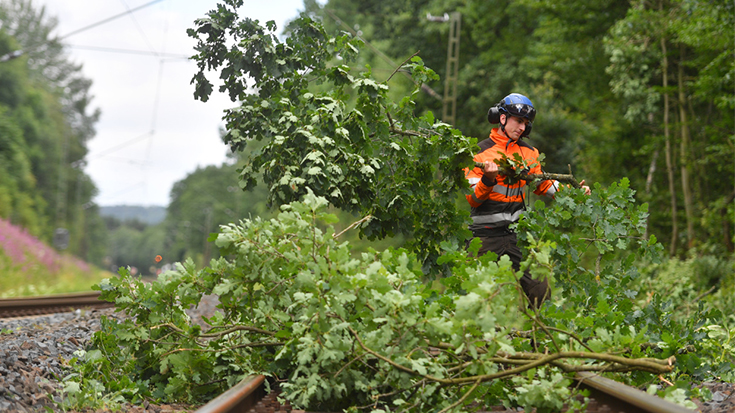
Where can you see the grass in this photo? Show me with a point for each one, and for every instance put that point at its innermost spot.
(29, 267)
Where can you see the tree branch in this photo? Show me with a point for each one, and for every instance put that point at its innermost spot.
(400, 66)
(563, 178)
(353, 225)
(527, 361)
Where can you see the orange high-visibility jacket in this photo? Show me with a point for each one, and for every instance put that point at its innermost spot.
(495, 205)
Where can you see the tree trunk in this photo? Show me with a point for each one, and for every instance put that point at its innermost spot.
(726, 224)
(685, 156)
(651, 173)
(654, 160)
(669, 155)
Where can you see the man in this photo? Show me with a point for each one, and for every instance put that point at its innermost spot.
(497, 204)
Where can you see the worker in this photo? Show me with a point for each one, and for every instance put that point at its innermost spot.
(495, 203)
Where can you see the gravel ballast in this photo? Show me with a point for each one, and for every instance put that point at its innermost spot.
(32, 350)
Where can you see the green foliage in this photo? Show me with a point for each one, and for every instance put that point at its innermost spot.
(200, 203)
(373, 158)
(548, 394)
(688, 287)
(340, 330)
(613, 223)
(45, 122)
(82, 388)
(137, 248)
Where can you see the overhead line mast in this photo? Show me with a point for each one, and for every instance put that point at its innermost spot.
(449, 107)
(449, 101)
(424, 87)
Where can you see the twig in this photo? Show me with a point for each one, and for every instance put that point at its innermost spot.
(462, 399)
(278, 284)
(406, 132)
(390, 120)
(664, 380)
(400, 66)
(700, 296)
(399, 391)
(353, 225)
(259, 344)
(347, 365)
(558, 330)
(237, 328)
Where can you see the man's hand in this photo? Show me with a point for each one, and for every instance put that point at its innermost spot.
(490, 170)
(587, 190)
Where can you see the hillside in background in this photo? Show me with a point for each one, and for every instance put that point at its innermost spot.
(31, 267)
(150, 215)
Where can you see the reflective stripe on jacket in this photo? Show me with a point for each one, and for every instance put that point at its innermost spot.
(495, 204)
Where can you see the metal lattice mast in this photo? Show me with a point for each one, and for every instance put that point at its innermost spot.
(449, 107)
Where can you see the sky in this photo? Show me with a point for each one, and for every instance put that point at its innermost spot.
(151, 132)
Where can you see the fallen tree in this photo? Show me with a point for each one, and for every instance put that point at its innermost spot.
(344, 331)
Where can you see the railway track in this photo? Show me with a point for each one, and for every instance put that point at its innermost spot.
(623, 398)
(249, 396)
(30, 306)
(607, 395)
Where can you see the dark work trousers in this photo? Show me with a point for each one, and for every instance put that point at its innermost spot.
(507, 244)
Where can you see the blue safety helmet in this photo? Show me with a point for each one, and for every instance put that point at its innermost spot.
(514, 104)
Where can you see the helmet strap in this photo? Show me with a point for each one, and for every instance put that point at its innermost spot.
(502, 127)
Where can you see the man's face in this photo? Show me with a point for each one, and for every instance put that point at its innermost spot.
(515, 126)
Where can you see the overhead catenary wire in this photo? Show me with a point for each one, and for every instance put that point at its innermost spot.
(164, 56)
(109, 19)
(140, 29)
(122, 145)
(16, 53)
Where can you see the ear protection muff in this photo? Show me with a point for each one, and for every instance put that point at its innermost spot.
(493, 115)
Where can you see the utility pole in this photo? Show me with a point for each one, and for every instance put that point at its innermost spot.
(449, 102)
(61, 235)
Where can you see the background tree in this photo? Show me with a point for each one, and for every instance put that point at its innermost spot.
(655, 46)
(200, 203)
(47, 99)
(135, 245)
(600, 113)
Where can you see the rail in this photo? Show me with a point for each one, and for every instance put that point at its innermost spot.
(626, 398)
(247, 395)
(240, 398)
(29, 306)
(608, 395)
